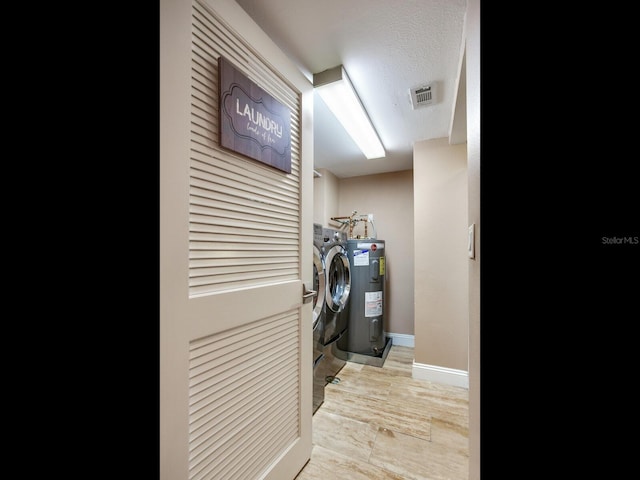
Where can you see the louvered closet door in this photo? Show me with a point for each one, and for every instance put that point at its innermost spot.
(235, 250)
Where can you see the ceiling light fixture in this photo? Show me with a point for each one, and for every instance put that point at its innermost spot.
(335, 88)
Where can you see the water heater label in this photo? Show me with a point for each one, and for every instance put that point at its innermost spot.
(360, 258)
(372, 304)
(381, 266)
(370, 245)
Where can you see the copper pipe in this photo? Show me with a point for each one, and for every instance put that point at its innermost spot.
(352, 221)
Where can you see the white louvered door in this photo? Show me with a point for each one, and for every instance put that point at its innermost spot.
(235, 236)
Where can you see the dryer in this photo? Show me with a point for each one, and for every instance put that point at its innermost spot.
(319, 285)
(319, 275)
(338, 286)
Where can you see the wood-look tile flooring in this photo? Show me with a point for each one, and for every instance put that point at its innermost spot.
(379, 423)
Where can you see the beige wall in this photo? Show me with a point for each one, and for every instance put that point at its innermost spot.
(325, 198)
(389, 197)
(441, 261)
(472, 36)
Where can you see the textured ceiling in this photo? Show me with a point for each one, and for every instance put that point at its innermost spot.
(387, 48)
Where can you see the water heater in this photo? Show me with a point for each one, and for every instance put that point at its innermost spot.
(365, 332)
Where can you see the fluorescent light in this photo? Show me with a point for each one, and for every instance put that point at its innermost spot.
(335, 88)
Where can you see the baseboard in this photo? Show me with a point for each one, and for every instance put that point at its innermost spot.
(402, 339)
(432, 373)
(447, 376)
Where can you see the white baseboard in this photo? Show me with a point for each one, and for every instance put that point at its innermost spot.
(401, 339)
(447, 376)
(432, 373)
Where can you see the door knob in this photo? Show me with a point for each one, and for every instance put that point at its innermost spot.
(307, 294)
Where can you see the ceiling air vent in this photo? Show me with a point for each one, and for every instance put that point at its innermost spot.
(422, 96)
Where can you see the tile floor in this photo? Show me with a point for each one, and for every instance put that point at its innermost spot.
(378, 423)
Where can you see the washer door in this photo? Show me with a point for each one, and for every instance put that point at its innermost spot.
(336, 264)
(319, 284)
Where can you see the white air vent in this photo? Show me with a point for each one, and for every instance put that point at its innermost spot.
(422, 96)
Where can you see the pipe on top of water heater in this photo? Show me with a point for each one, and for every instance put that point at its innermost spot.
(353, 220)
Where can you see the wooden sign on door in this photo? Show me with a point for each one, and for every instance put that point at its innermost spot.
(252, 122)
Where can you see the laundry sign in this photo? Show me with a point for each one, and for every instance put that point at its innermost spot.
(252, 122)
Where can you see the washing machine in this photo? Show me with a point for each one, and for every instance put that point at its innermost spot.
(319, 285)
(336, 309)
